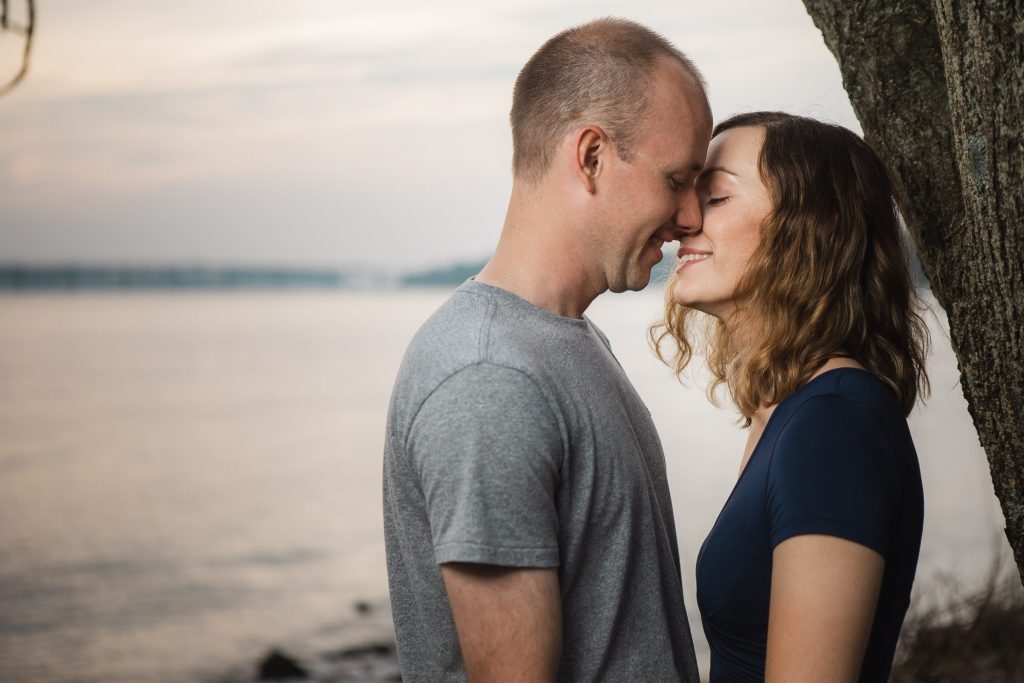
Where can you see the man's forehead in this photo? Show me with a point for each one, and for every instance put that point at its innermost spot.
(687, 90)
(689, 151)
(678, 125)
(677, 162)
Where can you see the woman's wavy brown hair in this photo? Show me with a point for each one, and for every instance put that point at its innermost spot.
(830, 276)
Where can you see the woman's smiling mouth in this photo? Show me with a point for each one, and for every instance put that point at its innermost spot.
(690, 256)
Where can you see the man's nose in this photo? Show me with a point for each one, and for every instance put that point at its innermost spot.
(688, 215)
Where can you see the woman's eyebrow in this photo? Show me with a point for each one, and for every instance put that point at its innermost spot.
(711, 169)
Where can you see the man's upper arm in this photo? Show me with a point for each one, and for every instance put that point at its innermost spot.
(488, 448)
(509, 621)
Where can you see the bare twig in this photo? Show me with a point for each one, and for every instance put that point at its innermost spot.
(27, 30)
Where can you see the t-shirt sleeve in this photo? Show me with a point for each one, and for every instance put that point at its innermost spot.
(834, 472)
(488, 449)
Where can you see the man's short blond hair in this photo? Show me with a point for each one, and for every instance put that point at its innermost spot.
(597, 72)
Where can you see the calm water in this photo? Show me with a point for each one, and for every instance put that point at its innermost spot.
(187, 479)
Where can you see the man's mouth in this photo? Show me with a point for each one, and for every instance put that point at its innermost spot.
(657, 243)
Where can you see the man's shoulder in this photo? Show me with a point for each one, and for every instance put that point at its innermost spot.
(455, 336)
(469, 362)
(459, 336)
(483, 324)
(485, 330)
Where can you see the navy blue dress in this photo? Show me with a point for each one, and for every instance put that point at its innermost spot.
(835, 458)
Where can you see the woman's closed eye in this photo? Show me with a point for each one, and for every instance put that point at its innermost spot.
(716, 201)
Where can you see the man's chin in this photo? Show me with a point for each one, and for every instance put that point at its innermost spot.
(635, 284)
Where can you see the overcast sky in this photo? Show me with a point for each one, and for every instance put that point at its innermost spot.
(319, 132)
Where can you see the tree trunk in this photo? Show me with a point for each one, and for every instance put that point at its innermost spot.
(938, 87)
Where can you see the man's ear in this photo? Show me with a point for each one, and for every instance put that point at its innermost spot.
(592, 149)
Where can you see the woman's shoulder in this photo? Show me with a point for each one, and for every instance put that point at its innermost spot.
(846, 410)
(843, 394)
(842, 461)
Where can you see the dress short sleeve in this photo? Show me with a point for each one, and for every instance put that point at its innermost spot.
(487, 448)
(834, 472)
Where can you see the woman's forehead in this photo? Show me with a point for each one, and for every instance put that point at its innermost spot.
(740, 145)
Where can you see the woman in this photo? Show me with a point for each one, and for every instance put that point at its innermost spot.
(806, 575)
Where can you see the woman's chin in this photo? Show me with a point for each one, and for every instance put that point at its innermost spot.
(693, 303)
(684, 298)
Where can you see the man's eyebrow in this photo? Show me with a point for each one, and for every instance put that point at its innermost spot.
(686, 168)
(711, 169)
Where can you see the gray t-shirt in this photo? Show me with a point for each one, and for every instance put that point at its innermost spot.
(514, 438)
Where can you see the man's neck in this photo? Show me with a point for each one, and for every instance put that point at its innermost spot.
(543, 287)
(539, 259)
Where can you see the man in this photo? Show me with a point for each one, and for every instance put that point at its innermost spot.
(528, 523)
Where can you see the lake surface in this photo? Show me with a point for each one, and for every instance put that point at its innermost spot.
(189, 478)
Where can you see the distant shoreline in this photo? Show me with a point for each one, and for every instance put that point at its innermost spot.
(19, 277)
(34, 278)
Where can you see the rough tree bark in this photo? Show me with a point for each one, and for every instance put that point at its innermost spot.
(938, 87)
